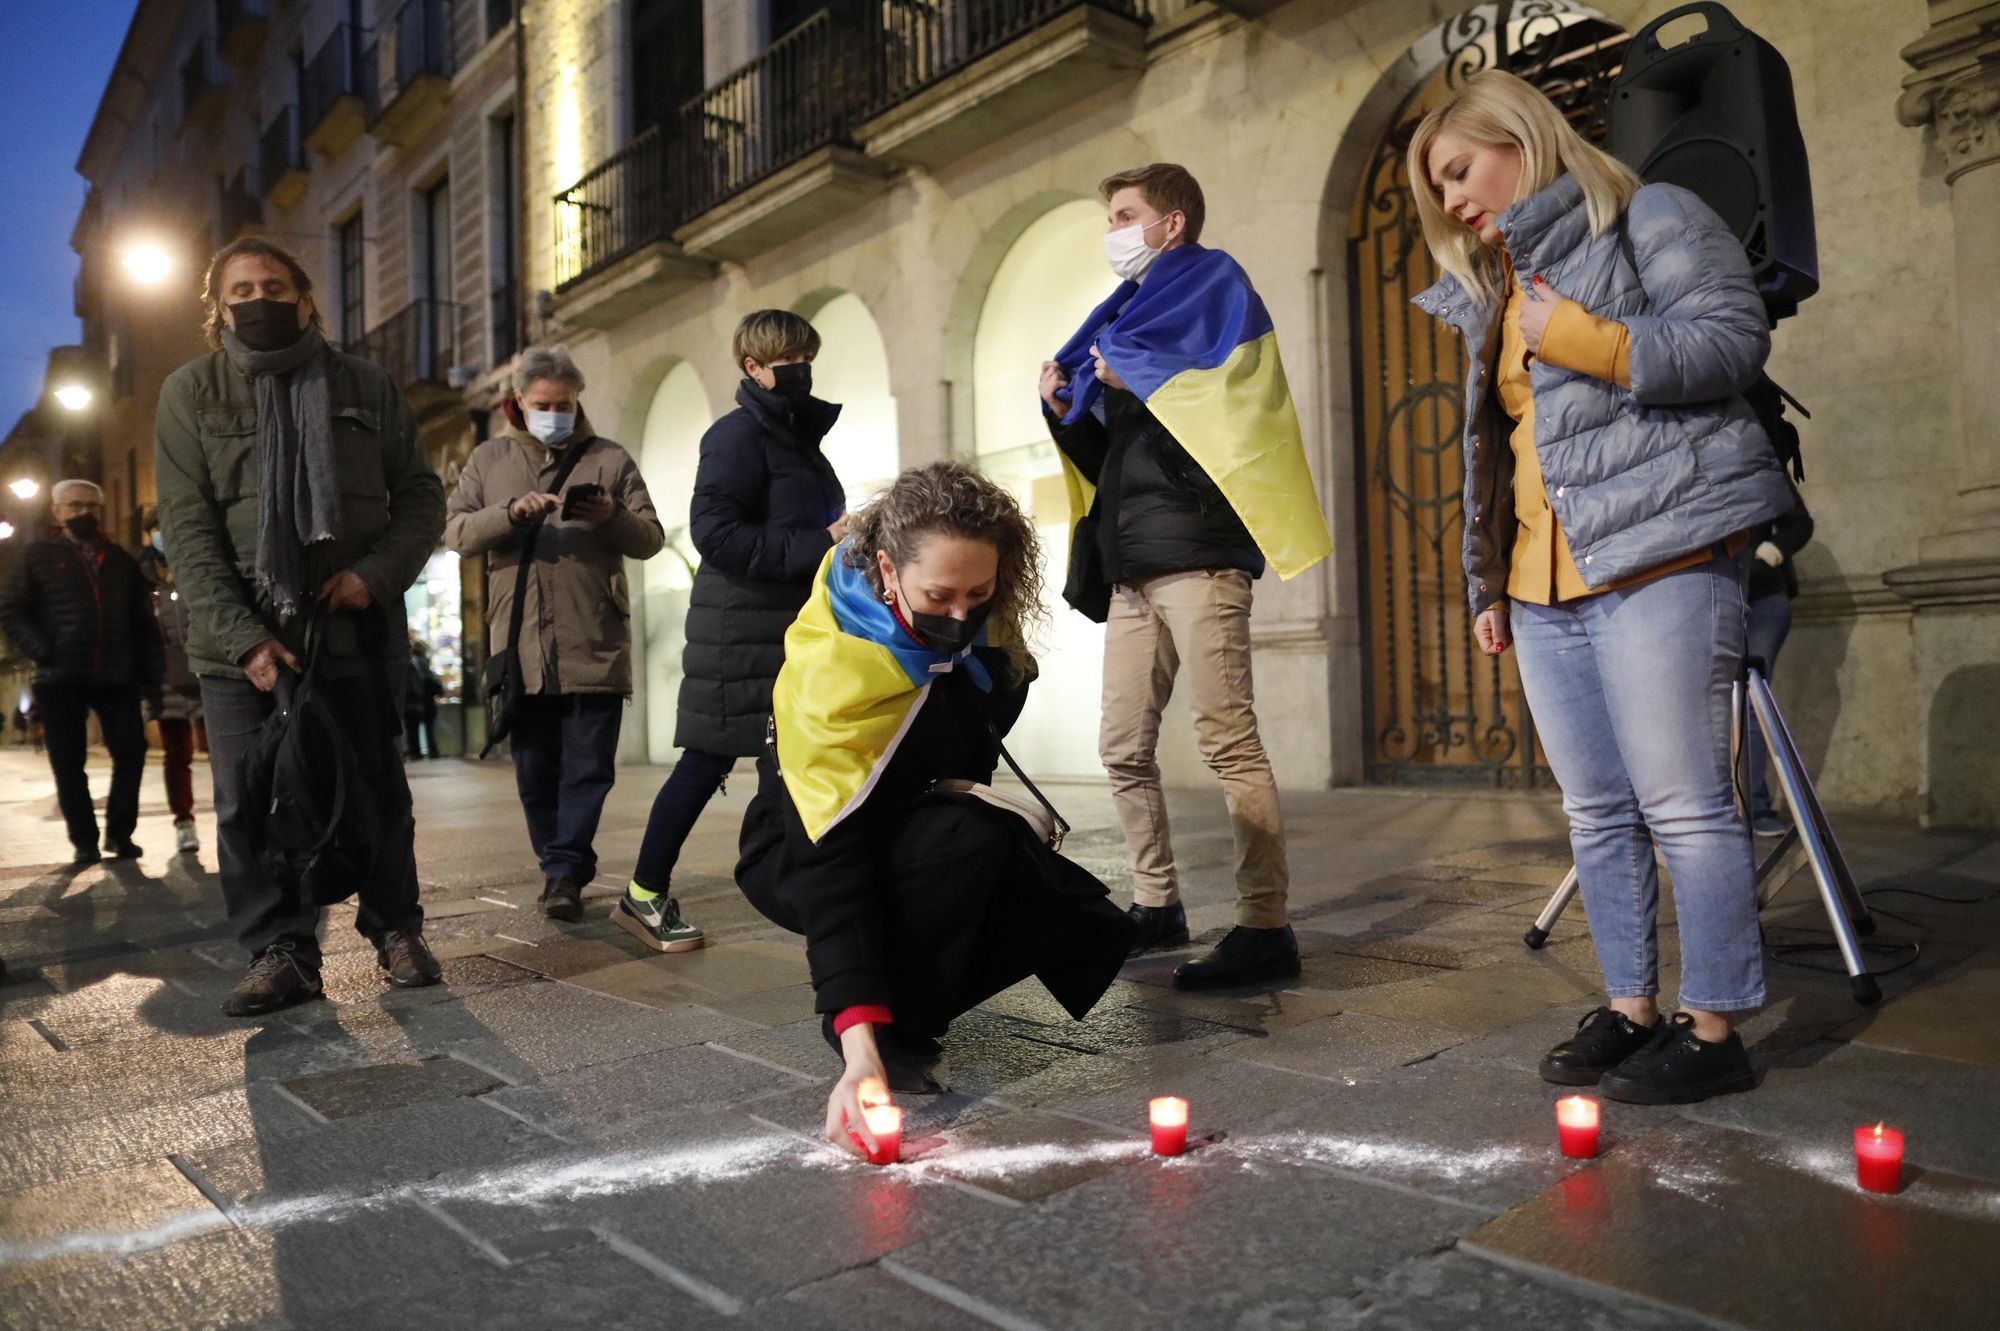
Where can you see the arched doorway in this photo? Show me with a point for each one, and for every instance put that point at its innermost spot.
(1438, 711)
(668, 451)
(852, 368)
(1050, 278)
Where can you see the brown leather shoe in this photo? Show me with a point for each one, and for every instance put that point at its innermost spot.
(408, 961)
(562, 899)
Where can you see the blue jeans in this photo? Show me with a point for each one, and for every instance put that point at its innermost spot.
(565, 759)
(1770, 619)
(1630, 695)
(683, 795)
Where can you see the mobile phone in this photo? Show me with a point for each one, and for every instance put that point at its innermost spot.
(576, 493)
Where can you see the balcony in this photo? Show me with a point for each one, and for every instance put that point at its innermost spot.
(202, 93)
(240, 26)
(413, 67)
(339, 91)
(281, 160)
(499, 13)
(956, 75)
(238, 209)
(417, 345)
(614, 255)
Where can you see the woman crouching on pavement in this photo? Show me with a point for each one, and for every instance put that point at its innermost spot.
(904, 669)
(1612, 467)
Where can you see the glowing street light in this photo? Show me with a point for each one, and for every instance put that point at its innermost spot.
(74, 397)
(25, 488)
(148, 263)
(6, 530)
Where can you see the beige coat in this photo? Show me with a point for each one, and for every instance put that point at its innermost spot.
(576, 634)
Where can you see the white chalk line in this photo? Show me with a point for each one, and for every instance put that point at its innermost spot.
(545, 1183)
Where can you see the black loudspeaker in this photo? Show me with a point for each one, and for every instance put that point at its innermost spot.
(1714, 114)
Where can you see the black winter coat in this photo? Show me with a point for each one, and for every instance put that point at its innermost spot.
(1156, 511)
(1790, 534)
(839, 892)
(764, 496)
(83, 619)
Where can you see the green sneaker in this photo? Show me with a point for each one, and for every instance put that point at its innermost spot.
(656, 923)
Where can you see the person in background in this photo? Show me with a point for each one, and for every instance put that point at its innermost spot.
(575, 651)
(421, 690)
(294, 492)
(903, 670)
(1614, 328)
(1773, 583)
(176, 709)
(80, 608)
(766, 509)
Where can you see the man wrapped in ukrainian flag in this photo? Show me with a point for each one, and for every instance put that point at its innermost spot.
(1187, 476)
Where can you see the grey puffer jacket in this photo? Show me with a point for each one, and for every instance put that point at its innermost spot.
(1636, 476)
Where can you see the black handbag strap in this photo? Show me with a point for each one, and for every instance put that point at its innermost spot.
(570, 459)
(1062, 824)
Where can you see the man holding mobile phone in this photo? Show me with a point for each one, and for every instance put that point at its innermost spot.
(547, 474)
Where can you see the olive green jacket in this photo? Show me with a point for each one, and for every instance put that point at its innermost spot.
(208, 471)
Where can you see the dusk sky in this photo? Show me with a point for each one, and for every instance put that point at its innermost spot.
(46, 103)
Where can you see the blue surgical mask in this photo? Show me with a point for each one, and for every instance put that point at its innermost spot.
(551, 427)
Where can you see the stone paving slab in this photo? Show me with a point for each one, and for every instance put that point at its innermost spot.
(623, 1098)
(135, 1197)
(365, 1090)
(1944, 1019)
(1454, 1291)
(871, 1298)
(96, 1139)
(1654, 1221)
(1345, 1045)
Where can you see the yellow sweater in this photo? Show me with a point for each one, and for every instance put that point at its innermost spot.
(1542, 570)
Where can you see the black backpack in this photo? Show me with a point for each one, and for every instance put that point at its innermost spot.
(321, 828)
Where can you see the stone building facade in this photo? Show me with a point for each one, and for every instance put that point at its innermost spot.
(374, 139)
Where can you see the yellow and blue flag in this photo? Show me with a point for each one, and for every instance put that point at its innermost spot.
(1196, 344)
(853, 681)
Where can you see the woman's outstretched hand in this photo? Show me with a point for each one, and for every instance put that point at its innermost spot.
(863, 1085)
(1492, 629)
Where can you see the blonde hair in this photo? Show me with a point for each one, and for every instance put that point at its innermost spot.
(950, 498)
(1496, 109)
(768, 335)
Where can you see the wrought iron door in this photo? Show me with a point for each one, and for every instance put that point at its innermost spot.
(1438, 710)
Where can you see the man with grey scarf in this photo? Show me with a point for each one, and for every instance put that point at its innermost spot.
(293, 490)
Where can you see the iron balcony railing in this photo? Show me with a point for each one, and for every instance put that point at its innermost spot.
(416, 42)
(810, 89)
(342, 67)
(280, 149)
(417, 344)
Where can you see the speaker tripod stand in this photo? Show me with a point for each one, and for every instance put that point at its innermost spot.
(1810, 838)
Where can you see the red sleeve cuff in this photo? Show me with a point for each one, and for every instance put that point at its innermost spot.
(872, 1013)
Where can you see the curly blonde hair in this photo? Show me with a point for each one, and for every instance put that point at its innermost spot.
(951, 498)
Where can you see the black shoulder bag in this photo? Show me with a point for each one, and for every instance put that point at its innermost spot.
(501, 680)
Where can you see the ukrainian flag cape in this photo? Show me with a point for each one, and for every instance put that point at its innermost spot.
(1196, 344)
(852, 682)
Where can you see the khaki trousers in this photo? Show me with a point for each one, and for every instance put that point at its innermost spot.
(1202, 619)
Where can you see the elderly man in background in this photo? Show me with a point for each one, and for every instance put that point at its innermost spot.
(547, 471)
(294, 491)
(78, 607)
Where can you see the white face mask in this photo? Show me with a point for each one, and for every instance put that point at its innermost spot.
(551, 427)
(1127, 251)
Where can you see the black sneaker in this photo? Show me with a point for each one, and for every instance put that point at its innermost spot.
(278, 978)
(1678, 1068)
(123, 849)
(1159, 927)
(1603, 1040)
(656, 923)
(85, 857)
(1244, 956)
(407, 961)
(562, 899)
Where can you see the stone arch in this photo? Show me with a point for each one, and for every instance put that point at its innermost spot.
(676, 417)
(852, 368)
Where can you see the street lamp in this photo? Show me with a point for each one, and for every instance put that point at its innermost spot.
(147, 262)
(74, 397)
(25, 488)
(6, 530)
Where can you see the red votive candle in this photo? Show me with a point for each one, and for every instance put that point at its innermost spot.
(1169, 1115)
(1576, 1127)
(886, 1122)
(1878, 1158)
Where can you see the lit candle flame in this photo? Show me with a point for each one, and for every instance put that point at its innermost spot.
(1878, 1132)
(1169, 1111)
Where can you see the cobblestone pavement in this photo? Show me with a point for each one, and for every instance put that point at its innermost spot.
(573, 1132)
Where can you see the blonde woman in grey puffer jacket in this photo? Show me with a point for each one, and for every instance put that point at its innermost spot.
(1612, 467)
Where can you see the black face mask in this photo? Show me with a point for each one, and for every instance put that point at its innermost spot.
(948, 634)
(267, 325)
(793, 381)
(83, 526)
